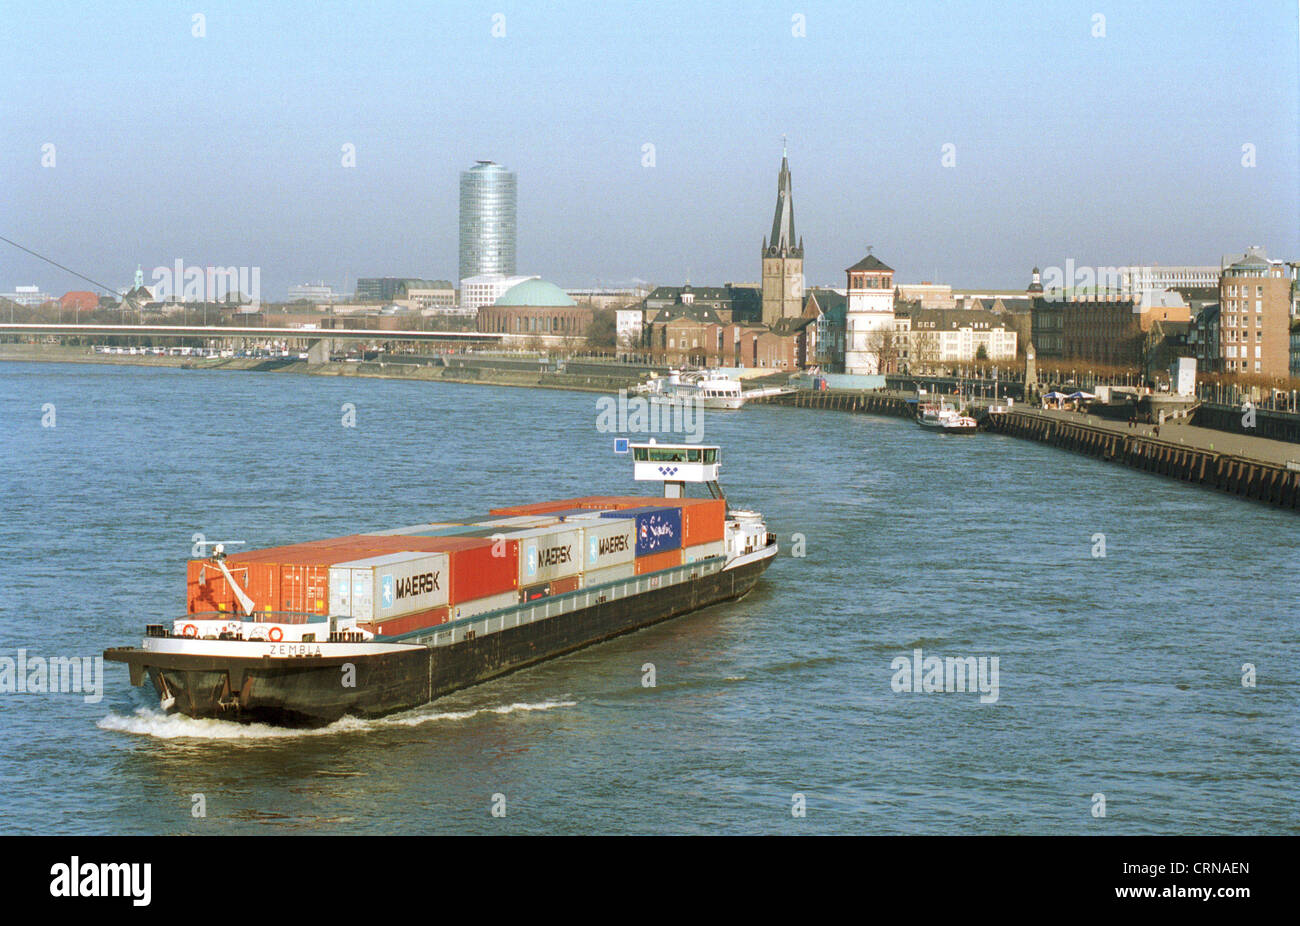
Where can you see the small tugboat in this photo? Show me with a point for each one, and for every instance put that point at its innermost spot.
(942, 417)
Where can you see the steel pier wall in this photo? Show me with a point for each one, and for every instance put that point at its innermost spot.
(1252, 479)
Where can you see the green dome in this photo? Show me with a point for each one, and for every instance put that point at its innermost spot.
(534, 293)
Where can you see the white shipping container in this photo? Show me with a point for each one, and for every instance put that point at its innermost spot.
(383, 587)
(483, 605)
(609, 574)
(547, 553)
(608, 542)
(703, 551)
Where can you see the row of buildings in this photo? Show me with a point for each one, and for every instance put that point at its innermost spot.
(1237, 318)
(1132, 317)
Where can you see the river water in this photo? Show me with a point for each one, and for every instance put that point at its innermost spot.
(1120, 677)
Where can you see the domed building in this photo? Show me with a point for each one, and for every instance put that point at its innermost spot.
(533, 309)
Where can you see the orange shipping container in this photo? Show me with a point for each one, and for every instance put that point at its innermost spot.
(564, 586)
(545, 507)
(206, 588)
(287, 578)
(409, 622)
(296, 577)
(656, 561)
(704, 520)
(620, 502)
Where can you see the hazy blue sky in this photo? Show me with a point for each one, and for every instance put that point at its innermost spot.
(227, 149)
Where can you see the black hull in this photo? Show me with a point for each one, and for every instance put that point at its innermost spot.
(311, 691)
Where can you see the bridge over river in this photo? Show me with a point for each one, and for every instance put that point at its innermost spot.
(319, 341)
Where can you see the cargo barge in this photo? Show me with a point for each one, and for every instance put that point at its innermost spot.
(372, 624)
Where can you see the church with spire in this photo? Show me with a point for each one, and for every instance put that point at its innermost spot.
(774, 325)
(782, 287)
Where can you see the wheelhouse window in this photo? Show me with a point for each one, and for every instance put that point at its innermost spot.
(705, 455)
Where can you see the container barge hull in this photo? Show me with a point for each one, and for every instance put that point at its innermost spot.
(307, 684)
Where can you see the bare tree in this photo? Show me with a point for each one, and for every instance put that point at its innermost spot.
(886, 345)
(924, 351)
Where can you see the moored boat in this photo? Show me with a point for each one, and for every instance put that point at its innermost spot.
(703, 388)
(942, 417)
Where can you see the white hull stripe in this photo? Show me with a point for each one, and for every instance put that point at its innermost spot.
(255, 649)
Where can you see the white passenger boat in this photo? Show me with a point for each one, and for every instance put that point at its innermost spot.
(942, 417)
(706, 389)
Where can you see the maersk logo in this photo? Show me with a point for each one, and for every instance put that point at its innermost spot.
(423, 584)
(387, 591)
(608, 545)
(557, 556)
(531, 560)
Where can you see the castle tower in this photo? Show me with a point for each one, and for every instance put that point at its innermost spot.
(782, 257)
(869, 339)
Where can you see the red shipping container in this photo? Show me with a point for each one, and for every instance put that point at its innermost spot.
(477, 573)
(656, 561)
(409, 622)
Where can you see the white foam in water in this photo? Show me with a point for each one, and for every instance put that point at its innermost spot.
(149, 721)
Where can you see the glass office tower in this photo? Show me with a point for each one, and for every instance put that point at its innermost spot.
(487, 220)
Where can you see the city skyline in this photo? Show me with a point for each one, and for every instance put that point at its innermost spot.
(1065, 144)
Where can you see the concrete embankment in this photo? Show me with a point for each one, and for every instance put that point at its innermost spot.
(870, 403)
(1239, 464)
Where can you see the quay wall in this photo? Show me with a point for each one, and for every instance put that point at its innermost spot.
(1253, 479)
(1268, 482)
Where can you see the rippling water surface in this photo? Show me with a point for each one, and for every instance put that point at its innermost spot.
(1118, 675)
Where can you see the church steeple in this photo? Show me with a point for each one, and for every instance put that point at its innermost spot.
(782, 256)
(782, 240)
